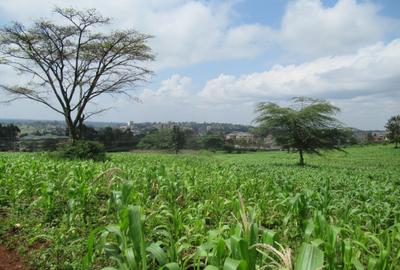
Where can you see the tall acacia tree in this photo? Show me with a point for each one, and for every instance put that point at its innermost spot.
(70, 64)
(306, 127)
(393, 129)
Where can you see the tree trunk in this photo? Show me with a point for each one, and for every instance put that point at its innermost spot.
(301, 161)
(73, 133)
(72, 130)
(80, 127)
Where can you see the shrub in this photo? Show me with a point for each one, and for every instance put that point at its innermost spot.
(83, 150)
(228, 148)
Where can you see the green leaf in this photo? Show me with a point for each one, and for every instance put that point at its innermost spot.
(269, 237)
(309, 258)
(211, 267)
(115, 229)
(252, 252)
(239, 248)
(87, 260)
(372, 264)
(130, 258)
(232, 264)
(309, 229)
(357, 264)
(158, 253)
(112, 250)
(136, 233)
(171, 266)
(317, 242)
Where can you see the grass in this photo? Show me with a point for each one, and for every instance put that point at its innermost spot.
(228, 211)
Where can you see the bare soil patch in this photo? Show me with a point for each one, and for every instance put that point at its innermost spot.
(10, 260)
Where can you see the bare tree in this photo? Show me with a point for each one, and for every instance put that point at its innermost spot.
(70, 65)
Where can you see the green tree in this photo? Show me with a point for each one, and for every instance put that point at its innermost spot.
(213, 142)
(69, 65)
(156, 139)
(8, 136)
(177, 139)
(306, 127)
(88, 133)
(393, 129)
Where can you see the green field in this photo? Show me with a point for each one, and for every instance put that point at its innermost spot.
(147, 210)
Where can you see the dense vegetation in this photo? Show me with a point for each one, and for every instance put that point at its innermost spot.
(308, 125)
(48, 136)
(8, 137)
(393, 129)
(143, 211)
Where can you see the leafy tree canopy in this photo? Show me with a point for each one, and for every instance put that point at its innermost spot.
(308, 125)
(393, 129)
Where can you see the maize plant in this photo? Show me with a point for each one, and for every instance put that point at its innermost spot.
(251, 211)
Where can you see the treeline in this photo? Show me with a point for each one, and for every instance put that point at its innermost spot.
(8, 137)
(173, 139)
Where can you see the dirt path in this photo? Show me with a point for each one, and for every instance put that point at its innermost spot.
(10, 260)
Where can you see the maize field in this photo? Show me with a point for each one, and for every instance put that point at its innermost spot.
(204, 211)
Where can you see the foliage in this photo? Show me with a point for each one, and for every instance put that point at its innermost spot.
(164, 139)
(307, 126)
(229, 147)
(192, 140)
(213, 142)
(46, 144)
(70, 65)
(9, 131)
(8, 136)
(115, 139)
(221, 211)
(156, 139)
(393, 129)
(81, 149)
(177, 139)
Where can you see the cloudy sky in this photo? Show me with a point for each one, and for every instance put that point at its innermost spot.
(215, 59)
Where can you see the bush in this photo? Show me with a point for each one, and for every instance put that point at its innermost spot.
(83, 150)
(228, 148)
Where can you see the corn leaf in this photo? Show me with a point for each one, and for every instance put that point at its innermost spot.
(309, 258)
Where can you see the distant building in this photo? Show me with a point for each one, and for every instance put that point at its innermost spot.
(238, 135)
(162, 126)
(363, 136)
(378, 136)
(270, 143)
(130, 126)
(247, 140)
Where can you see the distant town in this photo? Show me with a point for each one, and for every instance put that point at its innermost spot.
(38, 135)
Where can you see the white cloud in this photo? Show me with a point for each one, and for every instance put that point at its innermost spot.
(372, 70)
(185, 32)
(312, 29)
(172, 90)
(364, 84)
(368, 112)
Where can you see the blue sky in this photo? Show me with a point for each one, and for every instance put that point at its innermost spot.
(217, 59)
